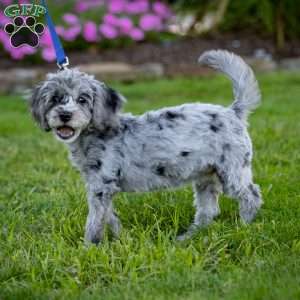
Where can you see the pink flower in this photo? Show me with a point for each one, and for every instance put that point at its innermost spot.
(72, 33)
(16, 53)
(6, 2)
(28, 50)
(71, 19)
(5, 40)
(3, 19)
(81, 7)
(21, 52)
(108, 31)
(3, 36)
(60, 30)
(116, 6)
(125, 25)
(48, 54)
(111, 20)
(161, 9)
(150, 22)
(137, 34)
(137, 7)
(90, 31)
(46, 38)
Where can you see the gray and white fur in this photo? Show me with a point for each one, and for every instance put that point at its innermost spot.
(203, 144)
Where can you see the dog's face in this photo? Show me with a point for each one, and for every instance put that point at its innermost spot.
(69, 101)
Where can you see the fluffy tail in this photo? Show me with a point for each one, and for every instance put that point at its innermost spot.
(245, 87)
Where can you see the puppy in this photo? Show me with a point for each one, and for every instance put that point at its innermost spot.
(203, 144)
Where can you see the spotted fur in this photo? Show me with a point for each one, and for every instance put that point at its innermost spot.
(204, 144)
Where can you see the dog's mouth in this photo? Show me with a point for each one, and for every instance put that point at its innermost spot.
(65, 132)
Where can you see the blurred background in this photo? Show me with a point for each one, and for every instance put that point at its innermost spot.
(133, 39)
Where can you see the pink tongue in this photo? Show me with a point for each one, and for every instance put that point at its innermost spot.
(65, 131)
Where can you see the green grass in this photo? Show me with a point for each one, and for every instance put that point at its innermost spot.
(43, 211)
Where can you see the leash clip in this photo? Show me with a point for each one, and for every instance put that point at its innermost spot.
(61, 58)
(64, 65)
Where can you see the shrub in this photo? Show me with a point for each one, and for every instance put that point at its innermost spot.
(278, 18)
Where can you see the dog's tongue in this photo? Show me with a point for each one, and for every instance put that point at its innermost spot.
(65, 131)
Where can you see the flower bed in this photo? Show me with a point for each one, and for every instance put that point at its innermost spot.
(94, 23)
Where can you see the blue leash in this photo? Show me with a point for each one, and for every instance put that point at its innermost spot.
(61, 58)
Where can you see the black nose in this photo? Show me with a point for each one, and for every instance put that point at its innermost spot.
(65, 116)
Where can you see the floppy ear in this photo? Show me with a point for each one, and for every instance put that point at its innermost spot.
(114, 101)
(37, 103)
(107, 105)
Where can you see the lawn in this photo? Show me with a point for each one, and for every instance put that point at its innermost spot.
(43, 211)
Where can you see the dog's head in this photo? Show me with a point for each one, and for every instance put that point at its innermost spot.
(69, 101)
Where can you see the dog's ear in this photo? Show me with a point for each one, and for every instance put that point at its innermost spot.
(107, 105)
(114, 101)
(37, 102)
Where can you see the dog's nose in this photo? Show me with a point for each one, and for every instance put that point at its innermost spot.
(65, 116)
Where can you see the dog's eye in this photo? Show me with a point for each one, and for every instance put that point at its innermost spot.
(82, 100)
(55, 99)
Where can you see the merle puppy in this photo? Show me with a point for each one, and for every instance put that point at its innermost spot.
(204, 144)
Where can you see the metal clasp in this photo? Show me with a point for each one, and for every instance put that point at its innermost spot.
(64, 65)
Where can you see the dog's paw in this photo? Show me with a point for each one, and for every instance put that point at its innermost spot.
(115, 226)
(92, 238)
(183, 237)
(189, 234)
(94, 242)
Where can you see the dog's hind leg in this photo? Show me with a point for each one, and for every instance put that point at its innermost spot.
(113, 222)
(206, 194)
(239, 185)
(250, 202)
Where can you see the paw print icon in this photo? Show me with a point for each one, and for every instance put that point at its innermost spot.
(24, 32)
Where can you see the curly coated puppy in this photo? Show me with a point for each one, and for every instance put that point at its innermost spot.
(204, 144)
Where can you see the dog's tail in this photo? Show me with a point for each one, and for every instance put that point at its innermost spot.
(245, 87)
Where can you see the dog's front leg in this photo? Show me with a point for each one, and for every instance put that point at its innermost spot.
(99, 203)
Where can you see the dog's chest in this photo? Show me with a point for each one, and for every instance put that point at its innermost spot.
(77, 158)
(92, 154)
